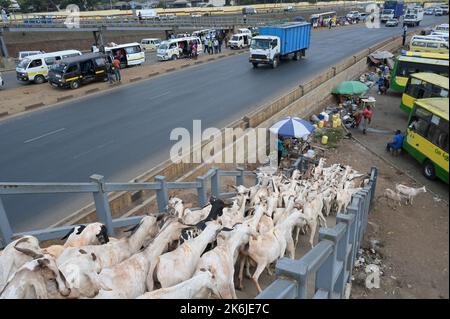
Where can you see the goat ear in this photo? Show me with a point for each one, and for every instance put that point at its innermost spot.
(43, 262)
(94, 257)
(68, 234)
(82, 251)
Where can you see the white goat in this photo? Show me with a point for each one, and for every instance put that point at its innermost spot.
(409, 192)
(198, 287)
(37, 279)
(13, 258)
(179, 265)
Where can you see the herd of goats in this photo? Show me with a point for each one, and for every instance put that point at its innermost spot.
(184, 253)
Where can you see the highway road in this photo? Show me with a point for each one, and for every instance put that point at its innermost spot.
(121, 134)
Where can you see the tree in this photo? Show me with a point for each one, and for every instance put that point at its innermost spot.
(5, 3)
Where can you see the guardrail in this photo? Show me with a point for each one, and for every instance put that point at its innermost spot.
(327, 268)
(100, 189)
(33, 21)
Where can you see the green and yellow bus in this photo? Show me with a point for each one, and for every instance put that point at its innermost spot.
(405, 66)
(423, 85)
(426, 55)
(427, 136)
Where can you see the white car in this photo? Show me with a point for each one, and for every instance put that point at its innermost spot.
(353, 15)
(429, 11)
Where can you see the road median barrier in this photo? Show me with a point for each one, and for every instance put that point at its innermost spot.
(63, 98)
(92, 90)
(34, 106)
(135, 79)
(153, 74)
(185, 66)
(3, 114)
(198, 62)
(170, 70)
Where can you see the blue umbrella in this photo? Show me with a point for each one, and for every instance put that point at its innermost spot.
(293, 127)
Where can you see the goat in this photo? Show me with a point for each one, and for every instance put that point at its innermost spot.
(409, 192)
(91, 234)
(12, 259)
(133, 276)
(39, 278)
(179, 265)
(269, 247)
(224, 256)
(188, 216)
(197, 287)
(392, 196)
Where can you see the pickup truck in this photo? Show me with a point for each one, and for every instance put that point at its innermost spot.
(413, 17)
(276, 42)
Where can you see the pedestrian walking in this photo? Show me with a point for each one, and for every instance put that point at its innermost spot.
(116, 64)
(405, 29)
(367, 118)
(4, 15)
(194, 50)
(381, 87)
(280, 149)
(330, 24)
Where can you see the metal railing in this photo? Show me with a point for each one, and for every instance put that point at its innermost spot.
(327, 268)
(208, 183)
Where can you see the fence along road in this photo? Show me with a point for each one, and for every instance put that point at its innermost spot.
(123, 133)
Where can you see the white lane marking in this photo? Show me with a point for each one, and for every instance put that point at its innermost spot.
(157, 96)
(93, 149)
(44, 135)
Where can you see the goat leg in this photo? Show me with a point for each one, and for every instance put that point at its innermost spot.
(255, 277)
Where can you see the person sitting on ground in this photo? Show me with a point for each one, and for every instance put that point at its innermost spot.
(396, 143)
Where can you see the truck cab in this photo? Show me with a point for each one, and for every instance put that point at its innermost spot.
(387, 14)
(265, 49)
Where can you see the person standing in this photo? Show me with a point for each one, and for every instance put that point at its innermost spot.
(367, 118)
(210, 46)
(116, 64)
(405, 29)
(205, 45)
(220, 44)
(216, 46)
(109, 71)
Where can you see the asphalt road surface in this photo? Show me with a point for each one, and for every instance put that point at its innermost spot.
(123, 133)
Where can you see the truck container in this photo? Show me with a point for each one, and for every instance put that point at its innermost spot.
(276, 42)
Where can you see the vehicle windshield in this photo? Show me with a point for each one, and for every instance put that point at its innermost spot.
(262, 44)
(388, 11)
(163, 46)
(24, 63)
(410, 16)
(58, 67)
(235, 38)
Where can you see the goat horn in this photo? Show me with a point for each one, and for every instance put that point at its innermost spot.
(29, 252)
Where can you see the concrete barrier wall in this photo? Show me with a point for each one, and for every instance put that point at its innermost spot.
(302, 101)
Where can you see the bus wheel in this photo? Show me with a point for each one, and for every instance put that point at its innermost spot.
(296, 56)
(74, 85)
(174, 57)
(428, 170)
(39, 79)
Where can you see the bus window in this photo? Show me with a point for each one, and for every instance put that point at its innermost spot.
(438, 133)
(133, 50)
(422, 118)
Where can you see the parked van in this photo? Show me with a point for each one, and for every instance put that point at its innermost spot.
(429, 45)
(34, 68)
(440, 35)
(206, 33)
(150, 44)
(23, 54)
(441, 28)
(176, 48)
(239, 41)
(245, 31)
(75, 71)
(129, 53)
